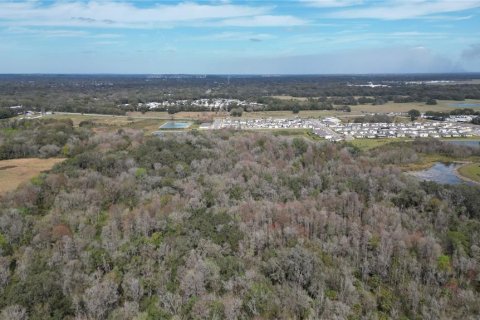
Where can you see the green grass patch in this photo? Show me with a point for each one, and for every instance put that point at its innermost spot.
(471, 171)
(473, 138)
(367, 144)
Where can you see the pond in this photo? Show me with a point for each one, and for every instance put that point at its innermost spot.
(444, 173)
(175, 125)
(467, 143)
(465, 105)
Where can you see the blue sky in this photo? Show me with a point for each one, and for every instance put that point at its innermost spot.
(253, 37)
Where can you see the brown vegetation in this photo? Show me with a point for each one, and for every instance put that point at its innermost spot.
(17, 171)
(238, 225)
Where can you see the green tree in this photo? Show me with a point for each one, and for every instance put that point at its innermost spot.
(414, 114)
(236, 112)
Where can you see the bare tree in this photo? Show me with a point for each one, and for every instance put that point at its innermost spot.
(14, 312)
(100, 298)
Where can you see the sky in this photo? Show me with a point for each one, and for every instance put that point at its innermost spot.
(239, 37)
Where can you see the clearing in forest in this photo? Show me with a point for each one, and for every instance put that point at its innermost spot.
(13, 172)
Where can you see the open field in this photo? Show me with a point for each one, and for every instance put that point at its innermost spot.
(470, 171)
(206, 116)
(184, 115)
(147, 124)
(13, 172)
(367, 144)
(304, 133)
(152, 119)
(290, 98)
(441, 106)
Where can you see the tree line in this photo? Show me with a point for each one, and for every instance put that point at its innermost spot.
(119, 94)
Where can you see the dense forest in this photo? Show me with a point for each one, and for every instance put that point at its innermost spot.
(110, 94)
(232, 225)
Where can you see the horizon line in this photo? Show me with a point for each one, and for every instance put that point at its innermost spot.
(233, 74)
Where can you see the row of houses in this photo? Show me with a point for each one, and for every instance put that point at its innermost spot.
(332, 128)
(223, 104)
(400, 130)
(267, 123)
(465, 119)
(204, 104)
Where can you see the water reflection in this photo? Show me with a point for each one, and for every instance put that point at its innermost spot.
(444, 173)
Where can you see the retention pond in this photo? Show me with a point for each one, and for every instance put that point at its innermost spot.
(172, 125)
(444, 173)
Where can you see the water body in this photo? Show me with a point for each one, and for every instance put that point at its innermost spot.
(465, 105)
(469, 143)
(176, 125)
(444, 173)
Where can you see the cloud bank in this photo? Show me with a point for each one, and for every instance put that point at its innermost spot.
(385, 60)
(113, 14)
(408, 9)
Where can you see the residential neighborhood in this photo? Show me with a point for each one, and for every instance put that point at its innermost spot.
(332, 128)
(201, 104)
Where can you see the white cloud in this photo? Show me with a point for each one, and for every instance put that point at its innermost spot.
(264, 21)
(354, 38)
(236, 36)
(58, 33)
(46, 33)
(332, 3)
(127, 15)
(397, 9)
(448, 18)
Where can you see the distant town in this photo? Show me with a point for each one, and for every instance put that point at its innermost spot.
(202, 104)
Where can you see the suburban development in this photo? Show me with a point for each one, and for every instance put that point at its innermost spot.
(333, 129)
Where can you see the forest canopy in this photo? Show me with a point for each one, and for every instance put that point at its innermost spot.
(118, 94)
(233, 225)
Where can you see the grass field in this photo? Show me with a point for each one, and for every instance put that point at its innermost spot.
(290, 98)
(441, 106)
(148, 124)
(16, 171)
(470, 171)
(184, 115)
(367, 144)
(152, 120)
(147, 120)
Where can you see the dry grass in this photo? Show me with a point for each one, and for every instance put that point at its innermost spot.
(16, 171)
(184, 115)
(111, 122)
(290, 98)
(441, 106)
